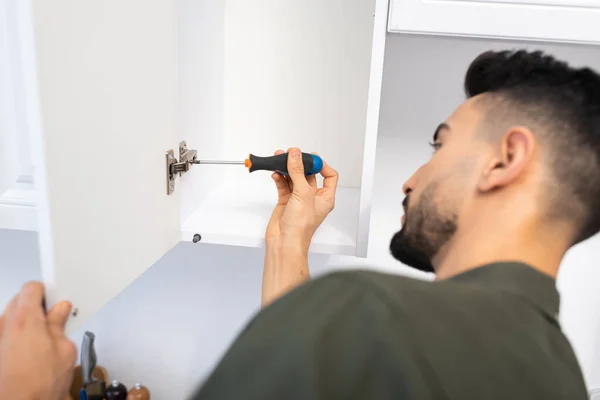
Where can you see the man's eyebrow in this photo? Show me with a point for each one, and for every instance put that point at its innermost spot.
(441, 127)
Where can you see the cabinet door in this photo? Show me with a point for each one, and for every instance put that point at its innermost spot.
(548, 20)
(102, 99)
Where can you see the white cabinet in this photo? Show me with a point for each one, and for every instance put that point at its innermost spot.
(109, 87)
(547, 20)
(275, 75)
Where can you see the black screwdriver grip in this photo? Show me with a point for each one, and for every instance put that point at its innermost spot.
(279, 163)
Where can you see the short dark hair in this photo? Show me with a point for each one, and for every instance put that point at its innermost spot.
(565, 102)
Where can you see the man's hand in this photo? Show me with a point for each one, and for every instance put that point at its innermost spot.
(300, 210)
(301, 205)
(36, 358)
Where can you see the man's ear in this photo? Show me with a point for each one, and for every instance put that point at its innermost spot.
(510, 160)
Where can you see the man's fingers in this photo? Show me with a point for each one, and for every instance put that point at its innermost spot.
(277, 212)
(30, 300)
(312, 179)
(26, 307)
(296, 169)
(69, 352)
(58, 316)
(282, 184)
(8, 311)
(10, 308)
(330, 177)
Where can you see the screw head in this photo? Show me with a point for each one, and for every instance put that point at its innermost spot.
(196, 238)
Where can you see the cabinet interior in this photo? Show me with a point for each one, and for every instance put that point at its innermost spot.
(257, 79)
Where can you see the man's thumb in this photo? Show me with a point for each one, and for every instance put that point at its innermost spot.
(58, 316)
(296, 169)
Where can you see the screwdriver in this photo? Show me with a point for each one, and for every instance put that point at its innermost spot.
(313, 164)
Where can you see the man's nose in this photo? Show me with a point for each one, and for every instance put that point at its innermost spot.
(409, 185)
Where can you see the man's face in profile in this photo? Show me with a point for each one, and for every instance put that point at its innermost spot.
(436, 192)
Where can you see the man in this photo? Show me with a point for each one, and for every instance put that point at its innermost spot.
(514, 183)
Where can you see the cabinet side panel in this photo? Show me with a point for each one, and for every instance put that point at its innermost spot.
(201, 31)
(106, 101)
(372, 126)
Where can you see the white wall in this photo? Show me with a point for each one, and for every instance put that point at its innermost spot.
(171, 325)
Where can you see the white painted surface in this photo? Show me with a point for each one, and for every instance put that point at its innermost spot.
(580, 275)
(201, 64)
(238, 211)
(17, 207)
(546, 20)
(108, 97)
(372, 126)
(17, 203)
(8, 125)
(297, 74)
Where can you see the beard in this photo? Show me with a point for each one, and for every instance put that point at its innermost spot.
(404, 252)
(424, 232)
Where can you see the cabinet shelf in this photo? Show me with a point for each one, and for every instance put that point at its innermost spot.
(238, 210)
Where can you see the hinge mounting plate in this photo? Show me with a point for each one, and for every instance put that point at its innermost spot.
(174, 167)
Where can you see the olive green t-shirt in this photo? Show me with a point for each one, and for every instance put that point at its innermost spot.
(490, 333)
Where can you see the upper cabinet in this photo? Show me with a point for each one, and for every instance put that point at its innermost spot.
(575, 21)
(111, 91)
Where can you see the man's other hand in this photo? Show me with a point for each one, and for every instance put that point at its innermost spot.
(36, 358)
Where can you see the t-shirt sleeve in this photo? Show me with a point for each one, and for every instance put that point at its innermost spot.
(319, 341)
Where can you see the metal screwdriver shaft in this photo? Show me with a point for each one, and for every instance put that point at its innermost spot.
(219, 162)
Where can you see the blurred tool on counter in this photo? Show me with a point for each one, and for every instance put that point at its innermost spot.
(313, 164)
(93, 389)
(116, 391)
(99, 373)
(138, 392)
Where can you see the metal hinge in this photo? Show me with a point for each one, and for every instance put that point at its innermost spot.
(174, 167)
